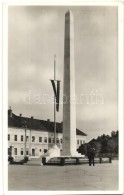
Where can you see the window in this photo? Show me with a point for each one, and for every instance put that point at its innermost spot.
(21, 138)
(27, 138)
(9, 151)
(40, 150)
(45, 140)
(33, 138)
(77, 142)
(15, 151)
(57, 140)
(27, 152)
(21, 151)
(8, 137)
(53, 140)
(40, 139)
(83, 141)
(45, 150)
(33, 152)
(49, 139)
(61, 141)
(80, 142)
(15, 137)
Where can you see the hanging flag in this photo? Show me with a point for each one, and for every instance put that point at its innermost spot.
(56, 92)
(57, 96)
(54, 87)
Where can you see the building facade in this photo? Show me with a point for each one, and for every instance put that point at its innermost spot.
(33, 137)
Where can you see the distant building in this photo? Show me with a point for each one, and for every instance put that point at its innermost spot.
(39, 135)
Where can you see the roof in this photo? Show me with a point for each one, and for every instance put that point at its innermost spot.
(36, 124)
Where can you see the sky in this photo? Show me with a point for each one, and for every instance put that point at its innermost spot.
(35, 35)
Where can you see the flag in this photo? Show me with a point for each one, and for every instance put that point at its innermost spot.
(56, 92)
(54, 87)
(57, 96)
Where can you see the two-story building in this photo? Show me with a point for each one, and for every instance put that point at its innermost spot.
(29, 136)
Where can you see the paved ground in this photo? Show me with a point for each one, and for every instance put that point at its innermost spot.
(73, 177)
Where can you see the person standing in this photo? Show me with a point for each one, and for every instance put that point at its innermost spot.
(91, 155)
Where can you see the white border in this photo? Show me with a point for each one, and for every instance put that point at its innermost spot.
(64, 2)
(120, 92)
(5, 97)
(5, 90)
(1, 165)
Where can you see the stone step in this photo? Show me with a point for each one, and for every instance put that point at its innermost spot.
(65, 160)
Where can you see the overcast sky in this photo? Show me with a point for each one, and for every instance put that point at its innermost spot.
(35, 34)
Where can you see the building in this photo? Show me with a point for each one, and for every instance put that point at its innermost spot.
(39, 135)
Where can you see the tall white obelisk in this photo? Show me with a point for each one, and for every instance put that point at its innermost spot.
(69, 107)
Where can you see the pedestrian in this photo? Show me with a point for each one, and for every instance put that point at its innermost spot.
(91, 155)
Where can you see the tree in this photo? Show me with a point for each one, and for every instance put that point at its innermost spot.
(112, 146)
(83, 149)
(103, 144)
(113, 133)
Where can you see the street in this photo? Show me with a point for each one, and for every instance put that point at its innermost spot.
(73, 177)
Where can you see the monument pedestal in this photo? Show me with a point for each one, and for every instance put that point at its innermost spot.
(51, 153)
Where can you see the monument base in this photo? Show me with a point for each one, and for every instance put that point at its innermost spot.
(62, 160)
(52, 152)
(71, 154)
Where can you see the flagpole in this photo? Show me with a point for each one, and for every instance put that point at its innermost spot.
(54, 101)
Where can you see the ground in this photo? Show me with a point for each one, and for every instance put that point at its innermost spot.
(69, 177)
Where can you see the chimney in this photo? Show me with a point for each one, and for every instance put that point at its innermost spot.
(10, 112)
(20, 115)
(32, 117)
(48, 120)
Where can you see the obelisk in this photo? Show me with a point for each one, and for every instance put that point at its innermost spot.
(69, 107)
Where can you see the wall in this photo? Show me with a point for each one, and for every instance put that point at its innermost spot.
(35, 148)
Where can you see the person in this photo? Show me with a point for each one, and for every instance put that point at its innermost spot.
(91, 155)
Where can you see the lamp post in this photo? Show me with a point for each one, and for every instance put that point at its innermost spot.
(30, 137)
(25, 129)
(25, 140)
(30, 143)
